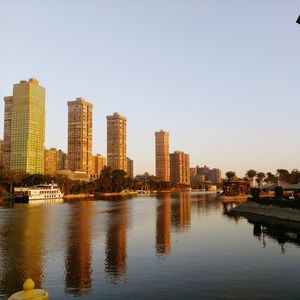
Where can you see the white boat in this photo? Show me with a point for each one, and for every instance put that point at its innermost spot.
(38, 192)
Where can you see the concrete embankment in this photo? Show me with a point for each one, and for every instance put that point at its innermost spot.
(275, 212)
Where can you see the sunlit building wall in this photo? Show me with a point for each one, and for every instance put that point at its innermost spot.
(50, 161)
(80, 135)
(180, 168)
(162, 164)
(28, 127)
(116, 142)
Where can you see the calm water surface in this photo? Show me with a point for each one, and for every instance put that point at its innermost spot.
(170, 246)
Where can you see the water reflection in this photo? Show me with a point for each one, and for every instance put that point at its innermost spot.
(279, 231)
(181, 211)
(163, 220)
(116, 241)
(265, 228)
(78, 278)
(22, 248)
(204, 202)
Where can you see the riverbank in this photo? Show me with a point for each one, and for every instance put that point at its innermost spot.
(76, 196)
(97, 194)
(275, 212)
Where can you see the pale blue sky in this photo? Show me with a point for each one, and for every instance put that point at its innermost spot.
(221, 76)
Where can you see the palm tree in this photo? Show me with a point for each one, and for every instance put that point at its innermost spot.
(251, 174)
(270, 178)
(295, 176)
(259, 178)
(283, 175)
(230, 175)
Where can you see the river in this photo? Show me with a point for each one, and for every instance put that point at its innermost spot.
(167, 246)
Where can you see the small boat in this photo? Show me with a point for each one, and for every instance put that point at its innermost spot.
(37, 192)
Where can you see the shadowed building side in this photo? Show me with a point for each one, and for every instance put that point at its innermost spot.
(7, 132)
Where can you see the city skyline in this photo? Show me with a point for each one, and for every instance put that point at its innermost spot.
(208, 79)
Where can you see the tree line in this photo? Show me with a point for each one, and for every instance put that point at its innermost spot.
(251, 175)
(109, 181)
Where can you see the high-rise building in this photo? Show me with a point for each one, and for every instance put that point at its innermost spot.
(50, 161)
(180, 168)
(7, 131)
(80, 135)
(215, 176)
(27, 134)
(61, 160)
(99, 163)
(116, 142)
(129, 167)
(162, 163)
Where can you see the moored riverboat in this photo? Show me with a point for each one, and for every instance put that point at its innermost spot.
(37, 192)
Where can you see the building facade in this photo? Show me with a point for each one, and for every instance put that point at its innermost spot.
(215, 176)
(27, 132)
(61, 160)
(162, 163)
(50, 161)
(116, 142)
(180, 168)
(80, 135)
(7, 131)
(129, 167)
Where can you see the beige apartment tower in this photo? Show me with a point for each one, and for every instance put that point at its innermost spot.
(24, 128)
(162, 163)
(180, 168)
(116, 142)
(80, 135)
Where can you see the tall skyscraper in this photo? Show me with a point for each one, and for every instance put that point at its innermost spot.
(7, 131)
(27, 133)
(116, 142)
(80, 135)
(180, 168)
(162, 155)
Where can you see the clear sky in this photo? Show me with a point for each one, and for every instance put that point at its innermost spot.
(223, 77)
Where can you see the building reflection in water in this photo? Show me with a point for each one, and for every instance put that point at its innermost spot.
(116, 240)
(181, 211)
(282, 233)
(78, 271)
(22, 249)
(163, 223)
